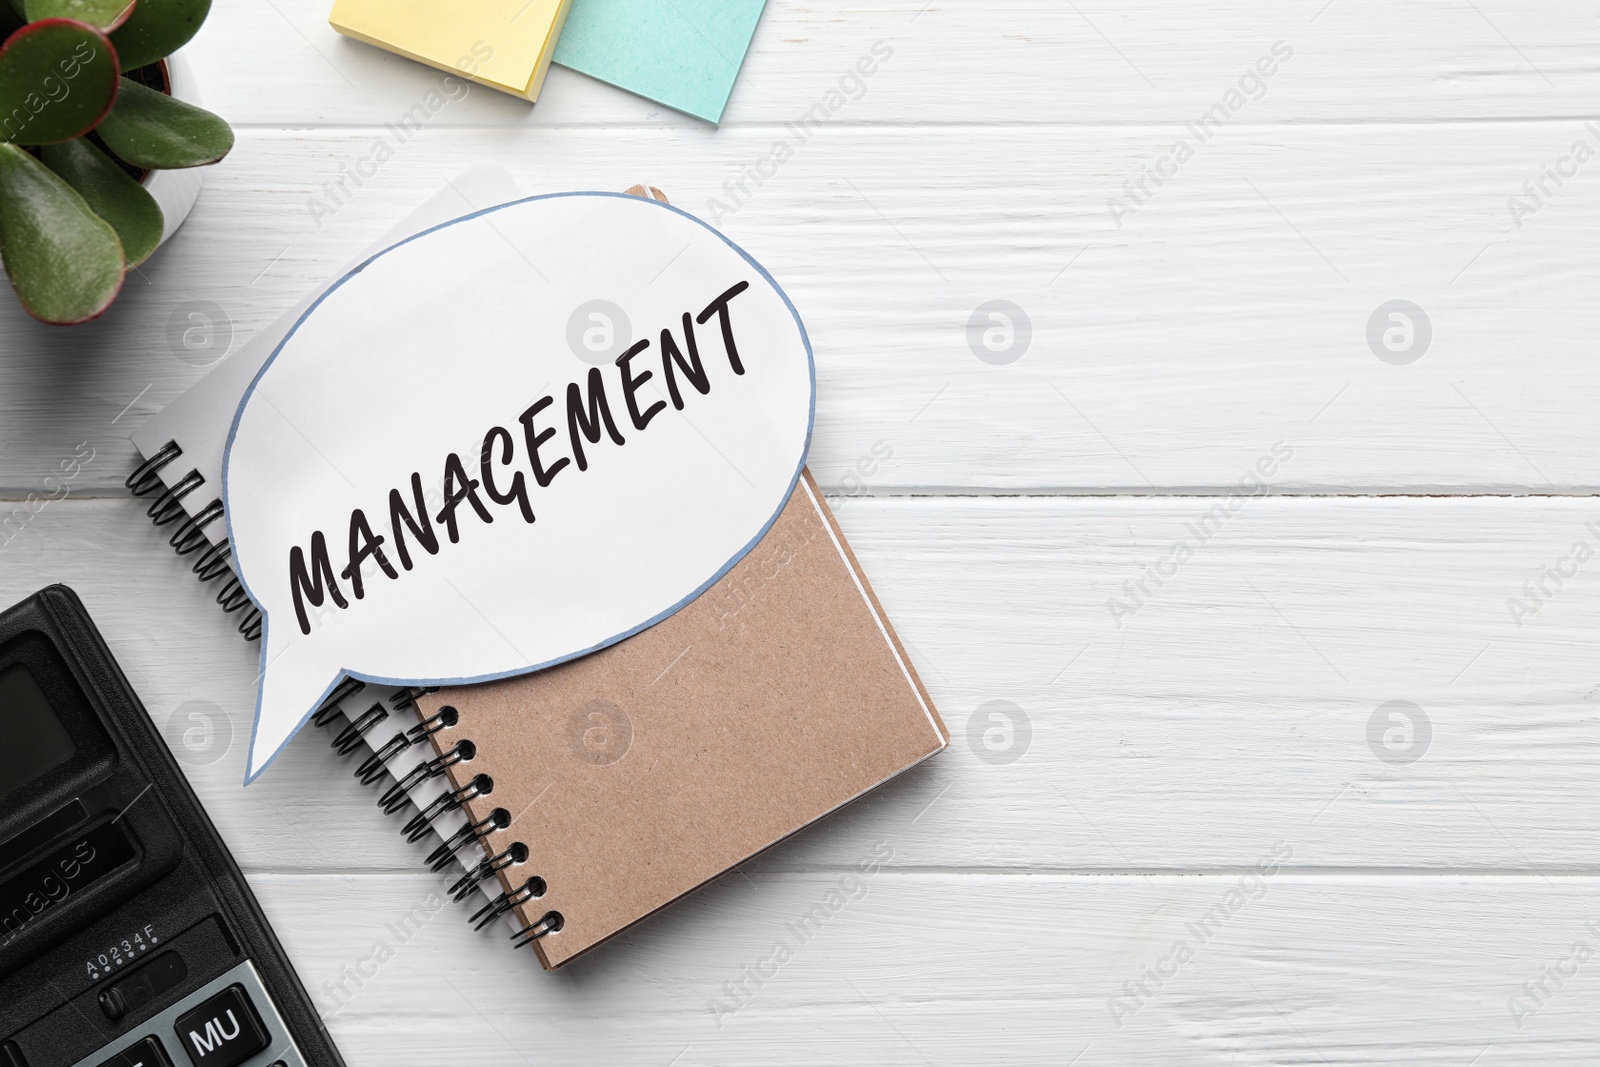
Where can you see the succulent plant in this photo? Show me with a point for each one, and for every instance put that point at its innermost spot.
(80, 125)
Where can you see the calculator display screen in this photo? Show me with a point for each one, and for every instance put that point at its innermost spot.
(32, 739)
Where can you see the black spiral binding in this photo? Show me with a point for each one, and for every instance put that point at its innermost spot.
(375, 766)
(418, 826)
(398, 795)
(551, 923)
(190, 537)
(517, 853)
(532, 889)
(169, 505)
(213, 561)
(349, 739)
(330, 708)
(146, 477)
(440, 858)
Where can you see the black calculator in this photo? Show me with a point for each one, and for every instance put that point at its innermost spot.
(128, 937)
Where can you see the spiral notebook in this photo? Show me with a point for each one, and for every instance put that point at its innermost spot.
(576, 801)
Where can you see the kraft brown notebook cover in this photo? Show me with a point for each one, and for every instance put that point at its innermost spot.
(640, 772)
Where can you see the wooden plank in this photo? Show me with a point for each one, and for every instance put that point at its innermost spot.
(1236, 703)
(1429, 909)
(930, 967)
(1015, 61)
(1231, 312)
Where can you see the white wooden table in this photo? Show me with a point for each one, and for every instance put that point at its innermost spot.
(1432, 864)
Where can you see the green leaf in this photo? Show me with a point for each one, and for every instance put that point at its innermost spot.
(58, 79)
(64, 261)
(103, 15)
(158, 28)
(110, 194)
(151, 129)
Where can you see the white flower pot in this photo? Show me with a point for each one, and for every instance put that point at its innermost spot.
(176, 190)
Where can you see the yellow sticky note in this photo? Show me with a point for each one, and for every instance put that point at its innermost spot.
(503, 44)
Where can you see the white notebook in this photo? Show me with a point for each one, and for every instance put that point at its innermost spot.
(182, 446)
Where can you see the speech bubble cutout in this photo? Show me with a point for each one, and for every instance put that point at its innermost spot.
(427, 485)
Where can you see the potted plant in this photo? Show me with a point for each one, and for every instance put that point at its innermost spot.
(86, 117)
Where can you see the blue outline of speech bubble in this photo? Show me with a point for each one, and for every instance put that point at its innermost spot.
(343, 673)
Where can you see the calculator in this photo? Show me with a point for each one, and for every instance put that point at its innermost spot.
(128, 937)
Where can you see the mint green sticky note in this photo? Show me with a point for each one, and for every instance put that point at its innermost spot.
(681, 53)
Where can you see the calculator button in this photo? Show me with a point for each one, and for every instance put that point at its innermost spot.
(223, 1031)
(147, 982)
(146, 1053)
